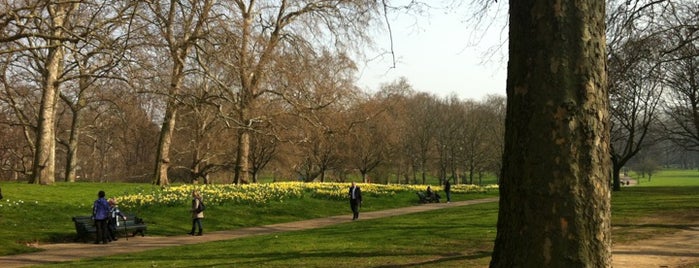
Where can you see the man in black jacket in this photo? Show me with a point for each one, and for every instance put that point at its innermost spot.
(355, 196)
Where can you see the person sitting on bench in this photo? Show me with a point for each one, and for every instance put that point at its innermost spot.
(430, 194)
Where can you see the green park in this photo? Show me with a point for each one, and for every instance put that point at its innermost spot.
(449, 237)
(258, 119)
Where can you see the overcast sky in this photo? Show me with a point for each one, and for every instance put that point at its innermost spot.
(439, 52)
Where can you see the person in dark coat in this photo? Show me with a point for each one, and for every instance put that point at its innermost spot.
(355, 197)
(447, 190)
(100, 214)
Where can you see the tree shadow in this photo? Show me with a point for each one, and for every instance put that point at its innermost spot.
(474, 256)
(281, 259)
(689, 227)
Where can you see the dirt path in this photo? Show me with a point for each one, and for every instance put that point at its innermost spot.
(678, 250)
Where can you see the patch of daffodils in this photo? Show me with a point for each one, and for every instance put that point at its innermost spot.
(272, 192)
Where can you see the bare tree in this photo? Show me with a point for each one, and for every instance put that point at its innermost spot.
(40, 28)
(365, 146)
(19, 100)
(494, 130)
(263, 150)
(682, 102)
(419, 140)
(450, 121)
(635, 93)
(473, 139)
(321, 98)
(202, 143)
(177, 26)
(261, 30)
(400, 153)
(92, 59)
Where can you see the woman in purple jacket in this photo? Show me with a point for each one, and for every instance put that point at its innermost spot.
(100, 214)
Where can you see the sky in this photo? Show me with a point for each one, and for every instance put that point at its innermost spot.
(440, 53)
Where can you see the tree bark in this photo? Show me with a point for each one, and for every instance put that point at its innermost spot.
(616, 168)
(554, 194)
(162, 161)
(242, 172)
(44, 165)
(72, 155)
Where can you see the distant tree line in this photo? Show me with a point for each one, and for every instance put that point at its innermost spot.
(225, 90)
(230, 90)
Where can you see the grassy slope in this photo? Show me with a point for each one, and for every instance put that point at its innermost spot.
(454, 237)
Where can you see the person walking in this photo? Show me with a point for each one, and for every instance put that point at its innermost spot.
(447, 190)
(100, 215)
(114, 215)
(355, 196)
(197, 213)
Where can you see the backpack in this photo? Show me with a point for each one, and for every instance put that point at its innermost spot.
(201, 206)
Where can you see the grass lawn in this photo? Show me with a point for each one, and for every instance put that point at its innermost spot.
(32, 213)
(451, 237)
(455, 237)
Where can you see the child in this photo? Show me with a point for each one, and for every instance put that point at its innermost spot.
(113, 219)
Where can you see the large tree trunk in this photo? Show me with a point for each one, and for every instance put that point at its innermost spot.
(555, 196)
(180, 32)
(616, 168)
(162, 161)
(44, 166)
(242, 172)
(72, 156)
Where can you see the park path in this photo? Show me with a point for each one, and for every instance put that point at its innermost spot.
(678, 250)
(62, 252)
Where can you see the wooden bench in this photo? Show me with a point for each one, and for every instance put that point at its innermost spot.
(427, 199)
(85, 226)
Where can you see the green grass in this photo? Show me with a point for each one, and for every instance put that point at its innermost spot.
(455, 237)
(451, 237)
(665, 204)
(34, 213)
(675, 177)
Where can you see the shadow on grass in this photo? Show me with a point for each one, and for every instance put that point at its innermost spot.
(287, 259)
(658, 253)
(689, 227)
(475, 256)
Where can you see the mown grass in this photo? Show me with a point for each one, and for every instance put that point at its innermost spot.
(665, 204)
(451, 237)
(672, 178)
(454, 237)
(34, 213)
